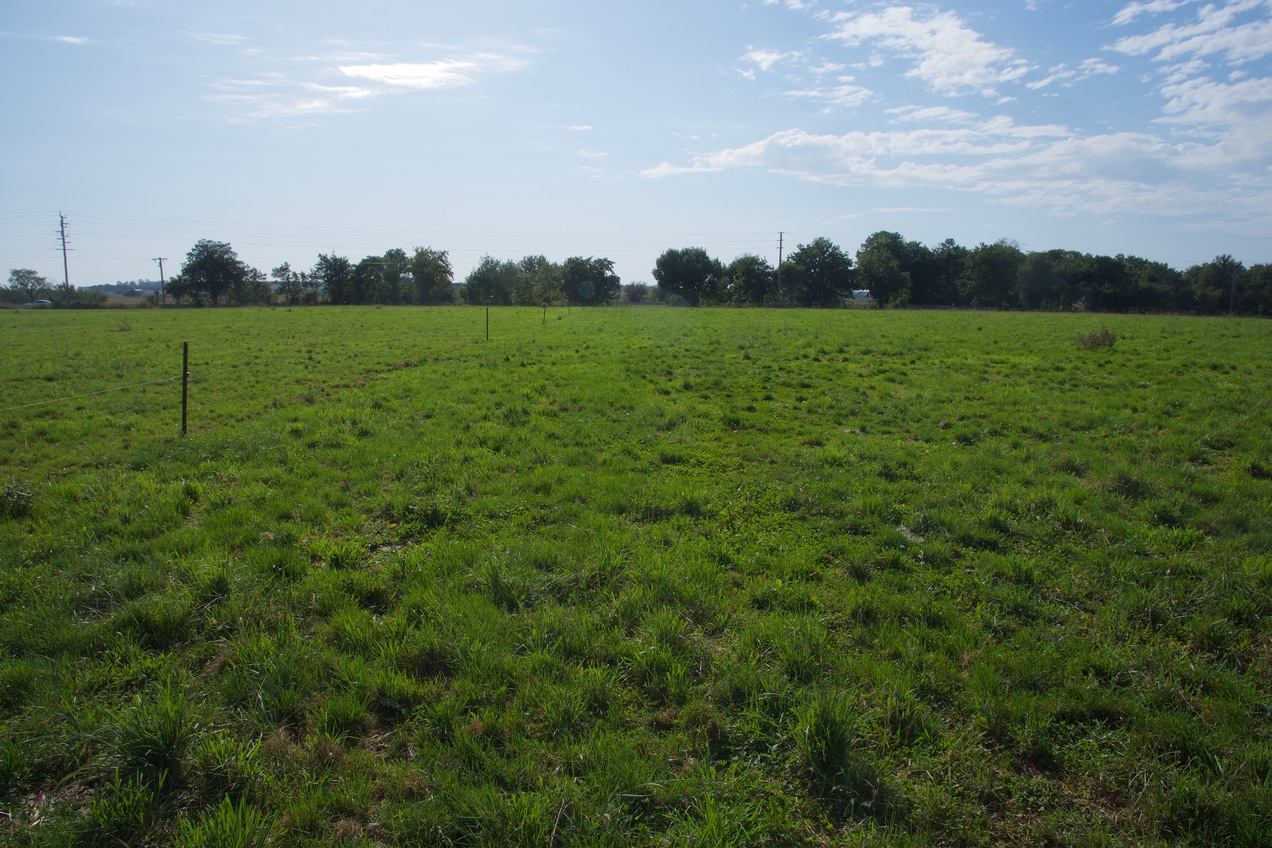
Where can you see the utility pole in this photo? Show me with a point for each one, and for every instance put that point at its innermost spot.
(163, 296)
(66, 273)
(780, 237)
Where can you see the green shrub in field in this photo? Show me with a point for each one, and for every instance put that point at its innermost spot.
(154, 734)
(828, 736)
(1096, 339)
(15, 500)
(225, 766)
(229, 824)
(122, 811)
(15, 764)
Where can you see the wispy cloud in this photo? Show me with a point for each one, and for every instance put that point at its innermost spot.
(1153, 7)
(950, 57)
(71, 39)
(442, 73)
(844, 94)
(765, 59)
(219, 38)
(345, 81)
(1069, 76)
(1041, 166)
(935, 114)
(797, 5)
(347, 92)
(1217, 30)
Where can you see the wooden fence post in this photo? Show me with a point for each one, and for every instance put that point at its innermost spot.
(185, 383)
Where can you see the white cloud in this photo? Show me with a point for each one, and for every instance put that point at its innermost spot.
(949, 56)
(1042, 166)
(843, 95)
(348, 92)
(1091, 67)
(1068, 76)
(72, 39)
(1056, 74)
(797, 5)
(289, 109)
(862, 157)
(1237, 114)
(1153, 7)
(765, 59)
(226, 39)
(443, 73)
(1216, 30)
(906, 114)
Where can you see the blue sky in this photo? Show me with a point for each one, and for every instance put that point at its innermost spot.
(621, 129)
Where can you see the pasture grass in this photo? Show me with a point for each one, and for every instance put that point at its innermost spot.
(635, 577)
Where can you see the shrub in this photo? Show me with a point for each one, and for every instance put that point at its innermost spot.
(225, 767)
(227, 825)
(121, 811)
(841, 770)
(1096, 339)
(15, 500)
(154, 736)
(15, 765)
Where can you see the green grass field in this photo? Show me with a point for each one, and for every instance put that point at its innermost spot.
(635, 576)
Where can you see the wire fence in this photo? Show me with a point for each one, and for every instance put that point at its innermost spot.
(189, 374)
(89, 394)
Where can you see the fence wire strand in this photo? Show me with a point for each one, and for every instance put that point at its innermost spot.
(89, 394)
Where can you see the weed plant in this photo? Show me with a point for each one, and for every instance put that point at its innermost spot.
(635, 577)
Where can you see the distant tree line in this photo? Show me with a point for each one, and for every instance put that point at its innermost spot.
(27, 287)
(893, 271)
(213, 274)
(1000, 275)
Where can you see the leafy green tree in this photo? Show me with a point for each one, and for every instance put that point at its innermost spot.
(211, 268)
(688, 273)
(589, 281)
(1254, 294)
(751, 279)
(635, 292)
(25, 284)
(819, 274)
(492, 282)
(1153, 286)
(990, 275)
(1212, 285)
(432, 276)
(394, 271)
(1110, 284)
(1037, 286)
(254, 288)
(546, 283)
(368, 280)
(289, 284)
(523, 291)
(881, 274)
(948, 259)
(880, 268)
(334, 275)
